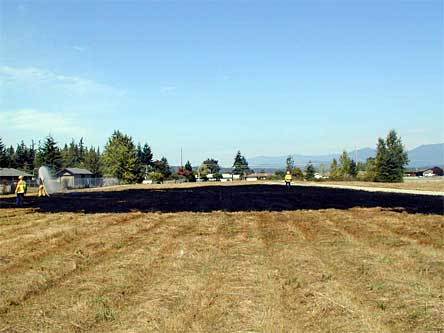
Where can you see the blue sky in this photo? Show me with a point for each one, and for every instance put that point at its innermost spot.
(265, 77)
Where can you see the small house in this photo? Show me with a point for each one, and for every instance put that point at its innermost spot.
(260, 175)
(8, 178)
(75, 178)
(430, 172)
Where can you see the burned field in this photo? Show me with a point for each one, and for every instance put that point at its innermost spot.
(254, 258)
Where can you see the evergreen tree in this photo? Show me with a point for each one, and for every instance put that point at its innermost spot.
(92, 161)
(120, 158)
(145, 157)
(290, 163)
(71, 154)
(211, 165)
(309, 171)
(187, 172)
(145, 154)
(162, 167)
(240, 165)
(31, 156)
(334, 170)
(370, 169)
(21, 156)
(344, 165)
(49, 154)
(297, 173)
(11, 157)
(391, 159)
(188, 166)
(3, 159)
(81, 151)
(353, 169)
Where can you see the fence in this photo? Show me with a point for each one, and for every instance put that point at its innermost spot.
(77, 182)
(8, 186)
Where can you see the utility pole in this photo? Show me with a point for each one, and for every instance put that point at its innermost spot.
(181, 161)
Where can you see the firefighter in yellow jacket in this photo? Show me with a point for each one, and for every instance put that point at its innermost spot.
(288, 179)
(20, 191)
(42, 190)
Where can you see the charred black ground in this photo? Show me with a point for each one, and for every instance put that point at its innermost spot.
(230, 198)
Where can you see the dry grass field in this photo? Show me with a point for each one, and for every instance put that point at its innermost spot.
(251, 258)
(417, 184)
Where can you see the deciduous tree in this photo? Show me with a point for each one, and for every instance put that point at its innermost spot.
(120, 158)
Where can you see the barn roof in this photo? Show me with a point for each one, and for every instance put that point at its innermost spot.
(75, 171)
(10, 172)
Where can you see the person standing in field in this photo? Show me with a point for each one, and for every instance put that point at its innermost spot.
(20, 191)
(288, 179)
(42, 190)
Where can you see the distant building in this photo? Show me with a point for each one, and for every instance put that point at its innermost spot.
(75, 178)
(227, 176)
(9, 176)
(260, 175)
(430, 172)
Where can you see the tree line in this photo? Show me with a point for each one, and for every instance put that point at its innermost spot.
(388, 165)
(131, 163)
(121, 158)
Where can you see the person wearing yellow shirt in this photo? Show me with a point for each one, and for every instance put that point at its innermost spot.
(42, 190)
(288, 179)
(20, 191)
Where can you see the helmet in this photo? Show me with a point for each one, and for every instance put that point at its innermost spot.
(21, 177)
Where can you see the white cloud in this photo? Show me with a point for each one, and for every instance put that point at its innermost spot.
(74, 84)
(167, 89)
(79, 48)
(42, 123)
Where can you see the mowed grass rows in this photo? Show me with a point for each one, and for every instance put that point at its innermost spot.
(355, 270)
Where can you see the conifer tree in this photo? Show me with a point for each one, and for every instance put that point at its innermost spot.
(162, 167)
(240, 165)
(309, 171)
(391, 159)
(297, 173)
(49, 154)
(11, 157)
(145, 154)
(92, 161)
(289, 163)
(188, 166)
(344, 165)
(210, 165)
(21, 156)
(3, 159)
(353, 169)
(334, 170)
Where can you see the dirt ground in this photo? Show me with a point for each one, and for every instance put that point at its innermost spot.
(254, 258)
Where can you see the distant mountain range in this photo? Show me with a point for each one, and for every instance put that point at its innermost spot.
(422, 156)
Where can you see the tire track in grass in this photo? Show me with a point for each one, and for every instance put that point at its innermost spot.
(410, 278)
(28, 226)
(215, 286)
(104, 288)
(232, 281)
(35, 283)
(305, 283)
(45, 242)
(384, 292)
